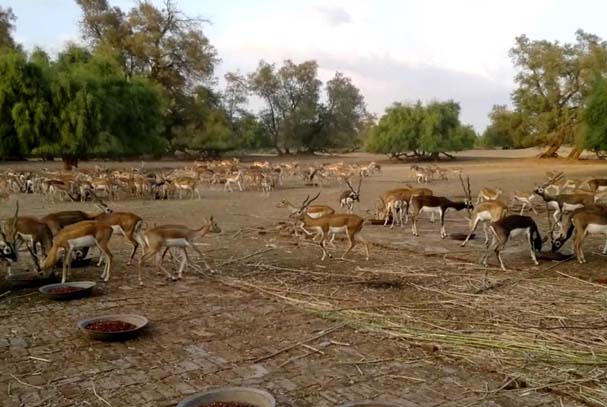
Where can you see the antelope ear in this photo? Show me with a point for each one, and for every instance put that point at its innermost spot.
(211, 218)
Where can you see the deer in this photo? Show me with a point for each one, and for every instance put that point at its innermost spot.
(174, 236)
(421, 174)
(435, 204)
(488, 194)
(585, 221)
(349, 224)
(508, 228)
(8, 251)
(85, 234)
(485, 212)
(348, 197)
(186, 184)
(401, 197)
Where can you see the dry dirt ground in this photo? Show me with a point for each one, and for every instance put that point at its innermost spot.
(418, 323)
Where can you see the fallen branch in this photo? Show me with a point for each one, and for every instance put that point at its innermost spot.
(26, 384)
(107, 403)
(288, 348)
(248, 256)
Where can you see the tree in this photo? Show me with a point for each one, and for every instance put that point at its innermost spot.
(162, 44)
(420, 131)
(7, 19)
(94, 111)
(506, 130)
(595, 119)
(553, 82)
(343, 117)
(24, 104)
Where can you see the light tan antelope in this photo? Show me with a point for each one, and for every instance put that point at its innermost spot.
(525, 198)
(486, 212)
(85, 234)
(488, 194)
(186, 184)
(349, 224)
(174, 236)
(591, 220)
(234, 179)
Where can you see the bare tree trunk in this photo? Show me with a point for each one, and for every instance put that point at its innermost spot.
(69, 162)
(575, 153)
(550, 151)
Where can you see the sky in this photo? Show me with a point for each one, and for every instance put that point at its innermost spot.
(394, 50)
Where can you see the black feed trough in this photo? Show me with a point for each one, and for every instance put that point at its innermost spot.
(100, 327)
(553, 256)
(30, 279)
(461, 236)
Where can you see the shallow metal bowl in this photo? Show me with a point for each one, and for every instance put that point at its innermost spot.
(84, 290)
(139, 321)
(247, 395)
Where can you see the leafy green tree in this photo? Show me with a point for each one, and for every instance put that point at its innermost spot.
(161, 43)
(24, 104)
(553, 82)
(419, 131)
(506, 130)
(94, 111)
(595, 119)
(7, 19)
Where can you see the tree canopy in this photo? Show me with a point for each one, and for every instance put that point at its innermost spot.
(415, 130)
(595, 118)
(7, 19)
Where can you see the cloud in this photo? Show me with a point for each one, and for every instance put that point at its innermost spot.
(335, 15)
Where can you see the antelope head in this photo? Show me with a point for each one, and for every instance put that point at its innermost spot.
(301, 212)
(555, 177)
(8, 250)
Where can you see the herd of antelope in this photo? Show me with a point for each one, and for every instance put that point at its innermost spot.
(187, 182)
(580, 199)
(74, 232)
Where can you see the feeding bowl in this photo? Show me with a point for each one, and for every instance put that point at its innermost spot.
(67, 291)
(29, 279)
(376, 221)
(244, 395)
(370, 403)
(461, 236)
(107, 328)
(553, 256)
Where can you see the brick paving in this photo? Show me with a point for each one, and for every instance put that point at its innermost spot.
(205, 334)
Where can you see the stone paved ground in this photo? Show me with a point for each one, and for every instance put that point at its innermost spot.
(204, 334)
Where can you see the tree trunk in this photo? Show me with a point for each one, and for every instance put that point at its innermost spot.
(69, 162)
(550, 151)
(575, 153)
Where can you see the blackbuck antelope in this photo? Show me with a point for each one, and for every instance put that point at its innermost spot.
(597, 184)
(525, 199)
(350, 196)
(174, 236)
(85, 234)
(421, 174)
(397, 201)
(435, 204)
(564, 202)
(349, 224)
(510, 227)
(8, 250)
(313, 211)
(488, 194)
(32, 232)
(591, 220)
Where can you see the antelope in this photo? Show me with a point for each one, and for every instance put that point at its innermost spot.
(597, 184)
(31, 231)
(85, 234)
(486, 212)
(350, 224)
(510, 227)
(395, 203)
(231, 179)
(405, 194)
(586, 221)
(488, 194)
(525, 199)
(435, 204)
(313, 211)
(8, 251)
(562, 202)
(421, 174)
(178, 236)
(186, 184)
(348, 197)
